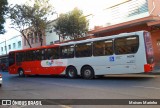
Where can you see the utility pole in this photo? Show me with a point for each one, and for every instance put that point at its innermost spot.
(5, 46)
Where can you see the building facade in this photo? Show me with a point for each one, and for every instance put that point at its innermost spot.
(48, 37)
(134, 15)
(19, 42)
(33, 38)
(51, 36)
(7, 45)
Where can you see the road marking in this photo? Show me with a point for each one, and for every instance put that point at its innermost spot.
(64, 106)
(147, 87)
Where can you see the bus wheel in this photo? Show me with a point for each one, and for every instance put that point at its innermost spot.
(21, 73)
(71, 72)
(87, 72)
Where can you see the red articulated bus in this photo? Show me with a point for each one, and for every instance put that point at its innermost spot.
(125, 53)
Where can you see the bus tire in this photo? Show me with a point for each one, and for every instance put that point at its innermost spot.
(21, 73)
(87, 72)
(71, 72)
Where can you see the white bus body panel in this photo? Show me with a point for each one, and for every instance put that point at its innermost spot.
(113, 64)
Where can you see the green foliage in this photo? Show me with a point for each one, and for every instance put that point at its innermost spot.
(3, 9)
(73, 25)
(31, 18)
(38, 13)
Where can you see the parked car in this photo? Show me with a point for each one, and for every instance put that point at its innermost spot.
(0, 80)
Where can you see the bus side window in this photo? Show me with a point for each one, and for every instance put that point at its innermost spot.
(98, 48)
(83, 50)
(56, 53)
(52, 53)
(43, 54)
(20, 56)
(67, 51)
(126, 45)
(11, 59)
(40, 54)
(28, 55)
(102, 48)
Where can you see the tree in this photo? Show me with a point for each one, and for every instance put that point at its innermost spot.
(3, 9)
(71, 25)
(29, 19)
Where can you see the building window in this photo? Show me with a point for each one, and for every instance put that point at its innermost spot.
(50, 31)
(14, 45)
(19, 44)
(25, 41)
(51, 43)
(32, 38)
(9, 47)
(36, 39)
(158, 42)
(1, 48)
(5, 47)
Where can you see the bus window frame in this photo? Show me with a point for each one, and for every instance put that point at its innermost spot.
(115, 49)
(67, 54)
(90, 49)
(50, 56)
(104, 48)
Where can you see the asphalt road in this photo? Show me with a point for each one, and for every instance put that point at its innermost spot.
(60, 87)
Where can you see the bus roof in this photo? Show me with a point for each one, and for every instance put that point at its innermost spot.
(81, 41)
(101, 38)
(37, 48)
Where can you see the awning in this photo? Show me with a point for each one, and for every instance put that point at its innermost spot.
(140, 21)
(154, 23)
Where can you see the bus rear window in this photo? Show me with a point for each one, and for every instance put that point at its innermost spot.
(149, 48)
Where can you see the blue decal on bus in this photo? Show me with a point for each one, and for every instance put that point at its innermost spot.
(111, 58)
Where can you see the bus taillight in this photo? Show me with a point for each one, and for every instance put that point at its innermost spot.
(148, 68)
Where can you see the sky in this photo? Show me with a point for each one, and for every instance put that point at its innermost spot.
(63, 6)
